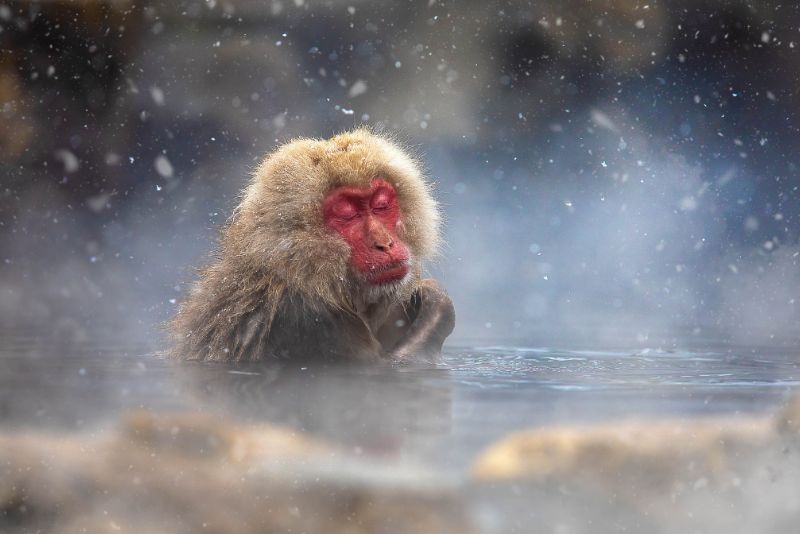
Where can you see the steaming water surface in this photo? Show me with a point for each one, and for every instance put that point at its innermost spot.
(441, 415)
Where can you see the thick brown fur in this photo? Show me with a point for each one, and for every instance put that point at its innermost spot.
(280, 279)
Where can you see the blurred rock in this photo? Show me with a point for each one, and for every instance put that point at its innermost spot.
(198, 435)
(187, 472)
(788, 421)
(193, 472)
(632, 456)
(720, 475)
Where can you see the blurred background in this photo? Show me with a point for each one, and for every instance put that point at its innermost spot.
(614, 172)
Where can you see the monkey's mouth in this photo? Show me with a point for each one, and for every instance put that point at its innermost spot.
(387, 273)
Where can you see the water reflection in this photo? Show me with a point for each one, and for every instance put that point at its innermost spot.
(375, 410)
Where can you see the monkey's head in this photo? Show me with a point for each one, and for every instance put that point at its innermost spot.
(336, 219)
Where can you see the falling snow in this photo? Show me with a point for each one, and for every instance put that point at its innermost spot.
(68, 159)
(357, 89)
(163, 166)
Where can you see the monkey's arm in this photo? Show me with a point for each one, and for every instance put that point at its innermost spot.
(431, 319)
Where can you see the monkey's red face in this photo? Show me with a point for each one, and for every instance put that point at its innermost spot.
(367, 218)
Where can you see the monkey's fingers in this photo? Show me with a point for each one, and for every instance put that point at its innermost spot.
(434, 321)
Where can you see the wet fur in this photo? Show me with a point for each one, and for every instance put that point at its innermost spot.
(281, 281)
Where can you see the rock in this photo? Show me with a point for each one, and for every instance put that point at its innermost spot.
(191, 472)
(195, 472)
(198, 435)
(788, 420)
(694, 475)
(630, 456)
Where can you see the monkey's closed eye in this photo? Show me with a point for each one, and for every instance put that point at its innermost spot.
(344, 210)
(382, 200)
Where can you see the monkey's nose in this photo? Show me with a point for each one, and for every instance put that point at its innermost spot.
(384, 245)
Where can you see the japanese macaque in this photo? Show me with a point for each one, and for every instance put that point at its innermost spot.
(322, 260)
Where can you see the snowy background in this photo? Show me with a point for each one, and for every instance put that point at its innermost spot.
(617, 172)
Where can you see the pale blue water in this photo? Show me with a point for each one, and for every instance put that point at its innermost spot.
(442, 415)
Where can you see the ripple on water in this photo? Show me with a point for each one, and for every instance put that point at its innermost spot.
(586, 369)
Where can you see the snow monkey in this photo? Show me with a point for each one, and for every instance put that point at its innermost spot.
(322, 260)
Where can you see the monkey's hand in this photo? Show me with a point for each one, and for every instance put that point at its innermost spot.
(432, 318)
